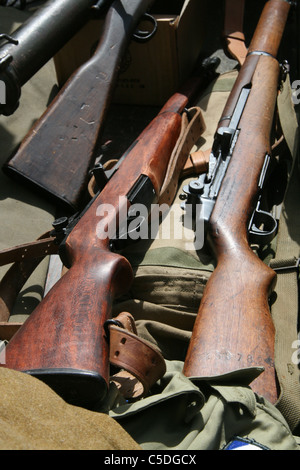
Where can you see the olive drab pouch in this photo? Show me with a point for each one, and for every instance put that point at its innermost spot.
(184, 414)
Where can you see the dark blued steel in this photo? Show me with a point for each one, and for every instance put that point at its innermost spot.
(36, 41)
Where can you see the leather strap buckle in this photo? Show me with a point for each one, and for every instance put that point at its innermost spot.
(141, 364)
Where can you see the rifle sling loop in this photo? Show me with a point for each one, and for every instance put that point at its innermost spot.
(141, 364)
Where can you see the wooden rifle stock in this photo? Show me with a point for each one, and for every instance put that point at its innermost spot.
(233, 329)
(63, 341)
(58, 152)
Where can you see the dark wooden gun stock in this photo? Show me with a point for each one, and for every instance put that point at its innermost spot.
(233, 329)
(63, 341)
(58, 152)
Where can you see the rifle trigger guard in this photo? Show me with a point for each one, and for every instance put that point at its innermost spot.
(265, 219)
(144, 36)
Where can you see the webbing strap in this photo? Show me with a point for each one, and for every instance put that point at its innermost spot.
(285, 263)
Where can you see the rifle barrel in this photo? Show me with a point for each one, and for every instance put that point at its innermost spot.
(36, 41)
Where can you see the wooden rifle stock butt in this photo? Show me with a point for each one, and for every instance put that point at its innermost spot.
(233, 329)
(63, 342)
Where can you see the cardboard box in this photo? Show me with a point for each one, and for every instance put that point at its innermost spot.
(151, 72)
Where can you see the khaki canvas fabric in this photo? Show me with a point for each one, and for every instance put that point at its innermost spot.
(190, 415)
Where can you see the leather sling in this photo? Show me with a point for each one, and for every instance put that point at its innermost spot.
(233, 29)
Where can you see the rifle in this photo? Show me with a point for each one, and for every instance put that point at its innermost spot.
(58, 152)
(63, 341)
(37, 40)
(233, 330)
